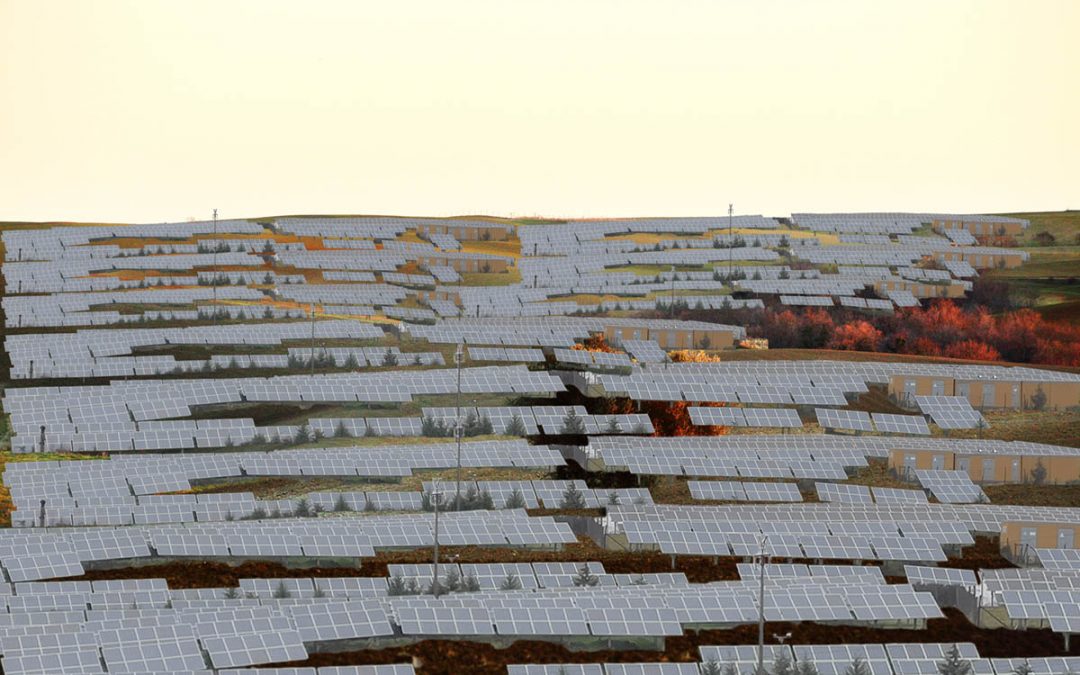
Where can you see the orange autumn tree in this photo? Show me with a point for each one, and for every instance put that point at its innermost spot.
(669, 418)
(856, 336)
(972, 350)
(693, 356)
(595, 343)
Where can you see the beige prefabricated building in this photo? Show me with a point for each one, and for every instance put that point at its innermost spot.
(1003, 393)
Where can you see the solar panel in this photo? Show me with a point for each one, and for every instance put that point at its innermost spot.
(772, 417)
(843, 419)
(901, 424)
(939, 576)
(843, 494)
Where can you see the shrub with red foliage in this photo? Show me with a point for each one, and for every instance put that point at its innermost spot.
(942, 329)
(672, 418)
(973, 350)
(858, 336)
(997, 240)
(816, 328)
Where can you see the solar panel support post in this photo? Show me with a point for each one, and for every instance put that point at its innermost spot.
(761, 610)
(435, 495)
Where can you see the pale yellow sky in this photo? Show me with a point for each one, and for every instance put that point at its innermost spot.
(155, 110)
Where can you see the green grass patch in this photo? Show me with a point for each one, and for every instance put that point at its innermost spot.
(1064, 225)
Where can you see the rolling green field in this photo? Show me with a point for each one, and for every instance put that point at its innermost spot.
(1051, 278)
(1064, 225)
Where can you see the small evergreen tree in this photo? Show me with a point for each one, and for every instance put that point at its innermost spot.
(303, 509)
(572, 498)
(351, 363)
(389, 359)
(516, 500)
(1038, 474)
(953, 663)
(710, 668)
(452, 581)
(612, 426)
(282, 591)
(485, 427)
(584, 577)
(782, 664)
(470, 584)
(1038, 399)
(470, 426)
(516, 427)
(510, 583)
(430, 426)
(232, 592)
(858, 667)
(1022, 668)
(613, 498)
(341, 431)
(806, 667)
(340, 505)
(396, 586)
(729, 669)
(572, 424)
(303, 434)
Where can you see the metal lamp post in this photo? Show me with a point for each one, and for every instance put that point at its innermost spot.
(213, 279)
(761, 610)
(671, 308)
(436, 493)
(459, 356)
(730, 243)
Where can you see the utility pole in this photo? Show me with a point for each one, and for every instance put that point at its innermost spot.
(435, 495)
(761, 610)
(459, 356)
(671, 309)
(313, 338)
(731, 242)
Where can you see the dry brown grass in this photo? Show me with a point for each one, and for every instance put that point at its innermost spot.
(1054, 427)
(286, 487)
